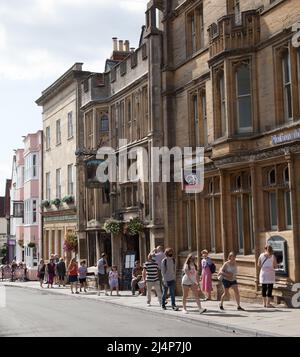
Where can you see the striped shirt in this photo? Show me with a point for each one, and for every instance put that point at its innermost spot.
(151, 271)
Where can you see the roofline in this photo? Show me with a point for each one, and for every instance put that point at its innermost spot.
(62, 80)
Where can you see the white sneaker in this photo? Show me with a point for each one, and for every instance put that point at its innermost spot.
(184, 311)
(148, 305)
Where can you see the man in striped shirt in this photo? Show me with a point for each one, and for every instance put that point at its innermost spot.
(151, 276)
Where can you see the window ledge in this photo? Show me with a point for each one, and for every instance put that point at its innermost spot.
(71, 137)
(245, 258)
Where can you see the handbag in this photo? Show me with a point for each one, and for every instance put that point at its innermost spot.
(220, 276)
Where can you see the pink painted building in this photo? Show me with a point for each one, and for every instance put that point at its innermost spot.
(25, 223)
(16, 207)
(32, 194)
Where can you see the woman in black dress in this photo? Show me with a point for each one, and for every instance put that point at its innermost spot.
(41, 272)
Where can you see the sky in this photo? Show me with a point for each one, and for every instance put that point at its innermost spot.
(42, 39)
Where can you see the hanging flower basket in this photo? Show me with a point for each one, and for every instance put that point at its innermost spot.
(135, 226)
(21, 243)
(56, 202)
(71, 243)
(113, 226)
(68, 200)
(31, 245)
(45, 204)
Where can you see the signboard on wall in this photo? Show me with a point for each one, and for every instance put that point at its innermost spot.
(92, 180)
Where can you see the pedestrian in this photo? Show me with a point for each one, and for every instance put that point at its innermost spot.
(228, 276)
(114, 280)
(158, 255)
(41, 272)
(82, 273)
(73, 275)
(267, 263)
(137, 276)
(14, 267)
(206, 274)
(56, 261)
(61, 272)
(190, 280)
(102, 274)
(168, 270)
(51, 272)
(151, 276)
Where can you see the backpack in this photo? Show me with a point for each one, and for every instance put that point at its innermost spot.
(165, 263)
(212, 268)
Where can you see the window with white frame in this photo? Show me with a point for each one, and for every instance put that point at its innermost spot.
(30, 211)
(58, 132)
(48, 138)
(58, 183)
(70, 125)
(48, 186)
(20, 176)
(70, 180)
(31, 167)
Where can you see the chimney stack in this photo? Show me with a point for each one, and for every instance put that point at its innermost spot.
(121, 47)
(115, 43)
(127, 45)
(132, 49)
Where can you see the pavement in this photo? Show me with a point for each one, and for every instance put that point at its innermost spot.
(255, 321)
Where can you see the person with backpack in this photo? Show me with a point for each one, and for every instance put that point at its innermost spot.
(208, 268)
(168, 270)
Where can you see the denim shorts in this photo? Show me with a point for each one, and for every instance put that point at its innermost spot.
(228, 284)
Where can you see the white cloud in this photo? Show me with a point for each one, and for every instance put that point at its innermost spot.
(42, 38)
(2, 38)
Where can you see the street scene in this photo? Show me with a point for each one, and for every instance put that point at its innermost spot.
(149, 168)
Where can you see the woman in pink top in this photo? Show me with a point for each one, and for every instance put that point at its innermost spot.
(267, 264)
(206, 275)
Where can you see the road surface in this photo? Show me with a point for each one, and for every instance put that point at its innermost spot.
(42, 313)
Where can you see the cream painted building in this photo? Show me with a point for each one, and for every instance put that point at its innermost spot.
(60, 104)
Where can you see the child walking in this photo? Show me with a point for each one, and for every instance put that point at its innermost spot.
(114, 280)
(82, 273)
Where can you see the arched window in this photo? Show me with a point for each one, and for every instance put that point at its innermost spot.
(211, 186)
(272, 177)
(286, 175)
(238, 182)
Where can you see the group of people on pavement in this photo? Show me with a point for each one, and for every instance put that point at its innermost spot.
(159, 271)
(56, 272)
(158, 274)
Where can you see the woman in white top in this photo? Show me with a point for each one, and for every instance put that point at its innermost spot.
(228, 274)
(191, 280)
(267, 264)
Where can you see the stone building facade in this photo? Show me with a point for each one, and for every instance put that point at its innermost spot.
(231, 84)
(116, 107)
(219, 74)
(61, 103)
